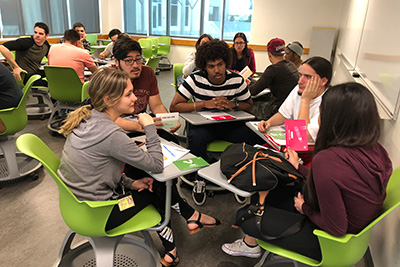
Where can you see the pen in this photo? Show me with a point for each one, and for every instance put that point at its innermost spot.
(166, 148)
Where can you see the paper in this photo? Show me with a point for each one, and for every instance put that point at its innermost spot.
(169, 120)
(187, 164)
(216, 115)
(296, 135)
(246, 72)
(172, 153)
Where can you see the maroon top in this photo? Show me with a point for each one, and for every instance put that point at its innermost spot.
(351, 187)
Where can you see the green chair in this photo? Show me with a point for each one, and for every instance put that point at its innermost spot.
(164, 47)
(65, 87)
(89, 218)
(92, 39)
(153, 63)
(15, 165)
(339, 251)
(146, 45)
(85, 92)
(177, 71)
(154, 46)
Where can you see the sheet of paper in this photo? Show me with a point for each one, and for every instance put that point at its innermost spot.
(172, 153)
(216, 115)
(169, 120)
(246, 72)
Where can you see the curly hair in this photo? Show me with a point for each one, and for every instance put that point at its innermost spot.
(212, 51)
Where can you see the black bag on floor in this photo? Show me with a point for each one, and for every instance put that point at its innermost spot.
(256, 169)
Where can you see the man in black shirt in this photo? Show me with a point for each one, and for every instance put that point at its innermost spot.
(29, 53)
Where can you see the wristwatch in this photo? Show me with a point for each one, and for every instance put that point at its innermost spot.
(237, 104)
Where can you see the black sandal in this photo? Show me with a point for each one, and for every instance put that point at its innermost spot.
(201, 225)
(175, 260)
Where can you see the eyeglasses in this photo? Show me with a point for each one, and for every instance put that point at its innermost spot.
(239, 43)
(130, 61)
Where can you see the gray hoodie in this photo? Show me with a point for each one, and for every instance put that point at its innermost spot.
(95, 152)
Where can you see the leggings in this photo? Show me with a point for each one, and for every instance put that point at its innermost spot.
(157, 199)
(277, 201)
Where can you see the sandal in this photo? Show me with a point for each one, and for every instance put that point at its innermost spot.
(175, 260)
(201, 225)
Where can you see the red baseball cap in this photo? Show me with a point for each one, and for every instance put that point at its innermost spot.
(276, 46)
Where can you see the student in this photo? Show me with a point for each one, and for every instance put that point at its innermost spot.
(294, 51)
(68, 54)
(213, 87)
(242, 56)
(128, 58)
(96, 149)
(304, 100)
(29, 53)
(346, 185)
(108, 51)
(10, 93)
(80, 28)
(190, 64)
(280, 77)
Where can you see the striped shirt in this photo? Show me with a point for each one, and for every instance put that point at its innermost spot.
(199, 87)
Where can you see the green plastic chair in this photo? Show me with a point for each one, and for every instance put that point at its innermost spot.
(146, 45)
(177, 70)
(89, 218)
(92, 39)
(341, 251)
(154, 45)
(15, 119)
(85, 92)
(65, 87)
(153, 63)
(164, 47)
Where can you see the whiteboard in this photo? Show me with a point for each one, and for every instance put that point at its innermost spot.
(370, 42)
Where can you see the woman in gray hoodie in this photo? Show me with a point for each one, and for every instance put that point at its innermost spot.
(96, 149)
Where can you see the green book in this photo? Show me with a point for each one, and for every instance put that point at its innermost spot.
(277, 135)
(192, 163)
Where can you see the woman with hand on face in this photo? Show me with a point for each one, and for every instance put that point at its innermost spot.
(97, 148)
(345, 187)
(242, 56)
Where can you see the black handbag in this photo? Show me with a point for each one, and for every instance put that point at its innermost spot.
(256, 169)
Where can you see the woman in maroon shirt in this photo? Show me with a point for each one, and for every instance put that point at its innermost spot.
(346, 185)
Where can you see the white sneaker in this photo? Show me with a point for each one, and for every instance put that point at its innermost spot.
(239, 248)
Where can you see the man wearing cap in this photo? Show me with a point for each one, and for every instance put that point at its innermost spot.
(294, 51)
(280, 77)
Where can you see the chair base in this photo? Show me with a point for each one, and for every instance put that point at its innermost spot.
(162, 65)
(54, 123)
(43, 106)
(130, 251)
(15, 165)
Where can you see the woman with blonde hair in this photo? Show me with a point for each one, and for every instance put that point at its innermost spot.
(97, 148)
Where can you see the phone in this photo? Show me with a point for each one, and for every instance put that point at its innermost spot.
(139, 143)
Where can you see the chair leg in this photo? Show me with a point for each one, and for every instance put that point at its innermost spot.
(104, 249)
(262, 260)
(66, 246)
(8, 147)
(268, 260)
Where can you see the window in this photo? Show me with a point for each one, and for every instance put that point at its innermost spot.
(19, 16)
(188, 18)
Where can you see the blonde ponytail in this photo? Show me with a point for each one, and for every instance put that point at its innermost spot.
(75, 118)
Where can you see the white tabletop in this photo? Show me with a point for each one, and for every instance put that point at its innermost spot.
(213, 174)
(196, 119)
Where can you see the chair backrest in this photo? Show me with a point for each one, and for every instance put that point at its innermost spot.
(85, 92)
(87, 218)
(146, 45)
(78, 215)
(153, 62)
(92, 39)
(177, 70)
(166, 45)
(15, 119)
(154, 45)
(64, 84)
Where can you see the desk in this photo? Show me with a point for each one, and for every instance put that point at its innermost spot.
(105, 61)
(213, 174)
(98, 49)
(103, 41)
(169, 173)
(196, 119)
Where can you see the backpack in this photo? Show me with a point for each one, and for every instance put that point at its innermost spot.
(257, 169)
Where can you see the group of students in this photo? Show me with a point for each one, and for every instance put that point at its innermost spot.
(344, 189)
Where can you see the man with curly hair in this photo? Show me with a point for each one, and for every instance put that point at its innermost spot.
(214, 87)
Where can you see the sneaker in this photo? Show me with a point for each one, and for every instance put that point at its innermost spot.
(199, 192)
(239, 248)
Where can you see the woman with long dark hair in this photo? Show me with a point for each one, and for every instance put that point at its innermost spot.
(346, 187)
(242, 55)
